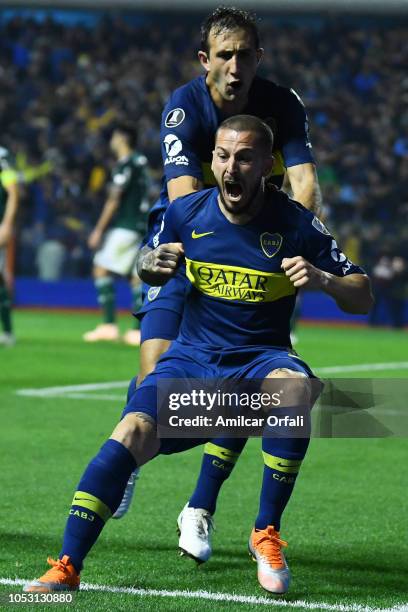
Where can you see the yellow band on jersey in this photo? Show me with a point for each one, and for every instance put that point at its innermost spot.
(281, 465)
(86, 500)
(219, 451)
(238, 284)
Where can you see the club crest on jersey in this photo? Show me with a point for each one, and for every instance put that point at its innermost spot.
(153, 293)
(271, 243)
(174, 118)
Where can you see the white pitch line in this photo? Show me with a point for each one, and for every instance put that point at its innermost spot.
(232, 597)
(363, 367)
(52, 391)
(77, 391)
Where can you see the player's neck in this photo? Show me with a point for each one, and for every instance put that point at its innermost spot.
(244, 217)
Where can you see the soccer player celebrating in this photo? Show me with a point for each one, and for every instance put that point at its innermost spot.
(247, 248)
(8, 211)
(230, 53)
(117, 234)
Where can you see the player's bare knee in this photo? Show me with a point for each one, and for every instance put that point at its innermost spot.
(285, 373)
(137, 432)
(294, 387)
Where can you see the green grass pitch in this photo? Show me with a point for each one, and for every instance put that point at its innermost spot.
(346, 522)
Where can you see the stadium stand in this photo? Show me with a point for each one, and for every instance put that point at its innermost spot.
(63, 85)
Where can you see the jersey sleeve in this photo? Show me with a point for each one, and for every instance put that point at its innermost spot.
(321, 250)
(179, 135)
(168, 229)
(296, 146)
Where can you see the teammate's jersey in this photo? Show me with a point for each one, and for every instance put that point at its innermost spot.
(191, 119)
(240, 295)
(8, 176)
(130, 176)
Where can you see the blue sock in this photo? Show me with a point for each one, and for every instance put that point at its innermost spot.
(99, 494)
(282, 458)
(218, 461)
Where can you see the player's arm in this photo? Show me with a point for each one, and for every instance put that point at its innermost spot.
(9, 217)
(297, 154)
(159, 259)
(352, 292)
(305, 187)
(183, 185)
(322, 265)
(180, 135)
(108, 212)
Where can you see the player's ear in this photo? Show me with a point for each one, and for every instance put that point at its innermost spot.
(204, 60)
(268, 166)
(259, 54)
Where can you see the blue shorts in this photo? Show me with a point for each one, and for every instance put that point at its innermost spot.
(188, 361)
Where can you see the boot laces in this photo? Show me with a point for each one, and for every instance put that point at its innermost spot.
(201, 522)
(58, 565)
(269, 545)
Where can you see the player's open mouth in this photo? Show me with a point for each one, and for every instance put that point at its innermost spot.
(233, 189)
(235, 85)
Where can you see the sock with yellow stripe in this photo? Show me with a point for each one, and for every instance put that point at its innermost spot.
(282, 458)
(218, 461)
(99, 494)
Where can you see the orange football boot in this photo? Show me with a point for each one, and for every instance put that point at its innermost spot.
(265, 547)
(61, 577)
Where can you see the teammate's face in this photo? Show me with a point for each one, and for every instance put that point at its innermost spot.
(231, 65)
(239, 164)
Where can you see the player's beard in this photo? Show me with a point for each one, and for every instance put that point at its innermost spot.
(244, 209)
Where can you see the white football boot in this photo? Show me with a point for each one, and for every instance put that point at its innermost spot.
(195, 526)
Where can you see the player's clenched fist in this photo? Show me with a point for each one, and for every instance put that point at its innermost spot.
(163, 261)
(302, 274)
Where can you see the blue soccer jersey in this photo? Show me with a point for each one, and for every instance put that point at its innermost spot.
(191, 119)
(240, 295)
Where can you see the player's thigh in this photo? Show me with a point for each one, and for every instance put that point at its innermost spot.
(143, 404)
(150, 352)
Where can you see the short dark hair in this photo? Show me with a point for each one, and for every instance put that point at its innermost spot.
(129, 130)
(249, 123)
(228, 18)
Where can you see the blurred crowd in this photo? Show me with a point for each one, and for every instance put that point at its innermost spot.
(64, 85)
